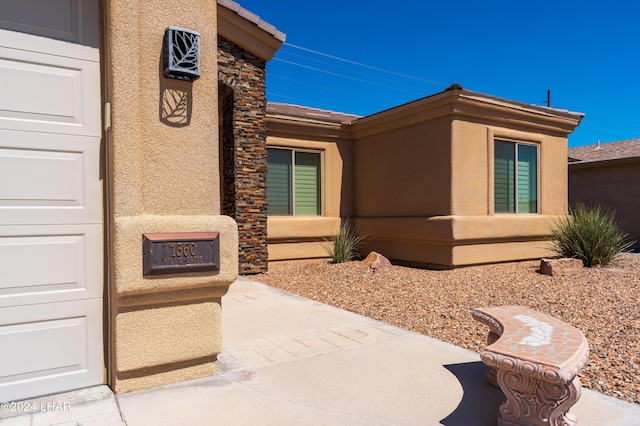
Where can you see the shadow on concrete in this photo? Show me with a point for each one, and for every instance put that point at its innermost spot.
(480, 401)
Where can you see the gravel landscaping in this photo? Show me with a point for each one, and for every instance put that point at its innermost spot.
(604, 303)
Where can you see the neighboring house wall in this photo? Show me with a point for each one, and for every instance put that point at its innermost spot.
(609, 175)
(424, 179)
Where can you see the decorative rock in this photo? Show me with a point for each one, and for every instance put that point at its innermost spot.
(377, 262)
(563, 266)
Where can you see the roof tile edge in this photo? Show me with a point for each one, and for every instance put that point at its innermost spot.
(292, 111)
(252, 17)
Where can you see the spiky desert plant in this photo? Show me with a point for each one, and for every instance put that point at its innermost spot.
(344, 245)
(589, 234)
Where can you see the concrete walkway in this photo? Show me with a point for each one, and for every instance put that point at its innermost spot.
(292, 361)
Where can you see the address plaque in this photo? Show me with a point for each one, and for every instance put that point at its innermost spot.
(180, 252)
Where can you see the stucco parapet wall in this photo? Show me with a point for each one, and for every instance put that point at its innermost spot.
(247, 30)
(290, 228)
(470, 104)
(463, 103)
(458, 230)
(127, 239)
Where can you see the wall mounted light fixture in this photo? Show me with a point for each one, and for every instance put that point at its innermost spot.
(181, 54)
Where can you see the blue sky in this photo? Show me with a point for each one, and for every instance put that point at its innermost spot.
(361, 57)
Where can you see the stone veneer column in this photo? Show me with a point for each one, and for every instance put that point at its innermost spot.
(243, 94)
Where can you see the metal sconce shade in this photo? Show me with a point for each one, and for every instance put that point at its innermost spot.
(181, 54)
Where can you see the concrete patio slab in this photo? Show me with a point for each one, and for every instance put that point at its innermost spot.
(292, 361)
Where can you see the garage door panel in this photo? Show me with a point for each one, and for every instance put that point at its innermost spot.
(49, 264)
(51, 94)
(49, 350)
(40, 178)
(57, 92)
(51, 217)
(47, 178)
(35, 338)
(70, 20)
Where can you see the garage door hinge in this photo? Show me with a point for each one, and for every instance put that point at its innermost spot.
(107, 116)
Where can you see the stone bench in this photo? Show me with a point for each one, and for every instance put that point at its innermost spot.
(536, 360)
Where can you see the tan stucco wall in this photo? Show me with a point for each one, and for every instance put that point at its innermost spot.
(404, 170)
(458, 240)
(423, 181)
(163, 178)
(300, 237)
(474, 147)
(154, 171)
(611, 184)
(554, 181)
(304, 237)
(472, 194)
(151, 351)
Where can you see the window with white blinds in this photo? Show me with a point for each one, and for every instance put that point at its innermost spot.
(293, 182)
(515, 176)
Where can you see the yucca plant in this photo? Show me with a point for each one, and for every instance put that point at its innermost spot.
(344, 245)
(589, 234)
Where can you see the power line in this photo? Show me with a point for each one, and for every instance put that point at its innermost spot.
(547, 102)
(595, 132)
(288, 97)
(601, 135)
(345, 76)
(437, 83)
(610, 130)
(615, 124)
(336, 66)
(331, 89)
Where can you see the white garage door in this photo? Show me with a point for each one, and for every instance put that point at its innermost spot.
(51, 261)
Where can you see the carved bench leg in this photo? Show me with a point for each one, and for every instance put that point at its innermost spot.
(531, 401)
(492, 374)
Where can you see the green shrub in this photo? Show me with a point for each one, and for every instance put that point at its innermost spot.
(589, 234)
(344, 245)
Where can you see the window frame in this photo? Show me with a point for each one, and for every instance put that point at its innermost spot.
(292, 180)
(514, 193)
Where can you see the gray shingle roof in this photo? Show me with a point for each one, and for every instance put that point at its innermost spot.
(288, 110)
(629, 148)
